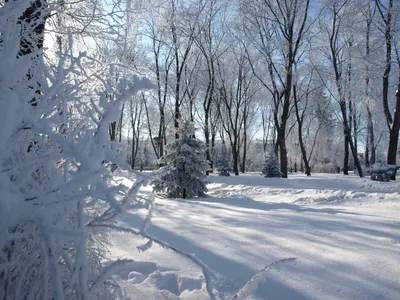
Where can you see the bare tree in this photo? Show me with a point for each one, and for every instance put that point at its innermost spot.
(370, 147)
(393, 122)
(302, 108)
(162, 57)
(209, 39)
(235, 89)
(191, 85)
(277, 29)
(182, 39)
(337, 51)
(135, 111)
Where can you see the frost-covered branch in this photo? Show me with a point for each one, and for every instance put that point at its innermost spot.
(259, 278)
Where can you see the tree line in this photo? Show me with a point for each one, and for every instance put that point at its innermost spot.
(300, 76)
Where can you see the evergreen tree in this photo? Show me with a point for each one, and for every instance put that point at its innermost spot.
(183, 170)
(224, 164)
(271, 165)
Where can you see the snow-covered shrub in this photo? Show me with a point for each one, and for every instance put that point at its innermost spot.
(271, 166)
(324, 168)
(224, 164)
(183, 170)
(382, 171)
(56, 197)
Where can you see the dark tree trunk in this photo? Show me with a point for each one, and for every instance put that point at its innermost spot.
(304, 157)
(207, 107)
(283, 153)
(244, 156)
(367, 160)
(370, 143)
(394, 133)
(112, 131)
(120, 121)
(207, 138)
(213, 136)
(371, 137)
(355, 158)
(133, 154)
(161, 133)
(300, 133)
(392, 123)
(346, 154)
(355, 129)
(176, 118)
(235, 160)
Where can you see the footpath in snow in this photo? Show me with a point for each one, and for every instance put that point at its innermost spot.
(340, 237)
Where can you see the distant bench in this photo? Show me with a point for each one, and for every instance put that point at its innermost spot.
(383, 172)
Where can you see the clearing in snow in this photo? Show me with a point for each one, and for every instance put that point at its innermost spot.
(320, 237)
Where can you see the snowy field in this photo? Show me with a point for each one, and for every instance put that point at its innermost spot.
(340, 237)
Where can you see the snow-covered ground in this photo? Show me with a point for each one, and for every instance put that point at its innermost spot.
(340, 234)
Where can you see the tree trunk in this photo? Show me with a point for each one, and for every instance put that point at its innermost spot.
(176, 117)
(235, 160)
(283, 153)
(355, 158)
(207, 138)
(112, 131)
(161, 133)
(346, 154)
(300, 133)
(371, 137)
(120, 121)
(133, 152)
(355, 128)
(244, 156)
(304, 156)
(394, 133)
(392, 123)
(367, 160)
(213, 136)
(370, 145)
(207, 108)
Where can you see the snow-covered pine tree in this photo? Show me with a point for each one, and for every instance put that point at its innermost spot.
(224, 164)
(183, 170)
(271, 165)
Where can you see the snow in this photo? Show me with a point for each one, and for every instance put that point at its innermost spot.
(321, 237)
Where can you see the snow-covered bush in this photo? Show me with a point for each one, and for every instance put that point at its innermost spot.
(325, 168)
(183, 170)
(56, 197)
(271, 166)
(224, 164)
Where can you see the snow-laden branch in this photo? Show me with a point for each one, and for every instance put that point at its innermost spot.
(209, 275)
(259, 278)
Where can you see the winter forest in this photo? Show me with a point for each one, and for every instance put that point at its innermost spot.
(122, 121)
